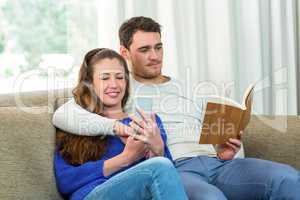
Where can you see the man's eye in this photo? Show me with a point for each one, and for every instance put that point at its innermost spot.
(143, 50)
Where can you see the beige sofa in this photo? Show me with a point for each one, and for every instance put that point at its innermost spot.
(27, 143)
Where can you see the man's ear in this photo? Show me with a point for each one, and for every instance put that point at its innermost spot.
(124, 52)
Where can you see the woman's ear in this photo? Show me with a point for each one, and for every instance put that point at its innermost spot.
(124, 52)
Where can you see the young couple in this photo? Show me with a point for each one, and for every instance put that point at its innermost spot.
(97, 160)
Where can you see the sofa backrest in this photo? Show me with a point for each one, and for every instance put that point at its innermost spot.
(27, 143)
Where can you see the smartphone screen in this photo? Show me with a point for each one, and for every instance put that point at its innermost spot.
(144, 103)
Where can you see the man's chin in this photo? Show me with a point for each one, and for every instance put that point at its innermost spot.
(154, 72)
(147, 74)
(152, 75)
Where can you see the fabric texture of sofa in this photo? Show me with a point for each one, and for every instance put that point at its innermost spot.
(27, 143)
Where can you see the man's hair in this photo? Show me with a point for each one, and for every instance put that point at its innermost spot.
(134, 24)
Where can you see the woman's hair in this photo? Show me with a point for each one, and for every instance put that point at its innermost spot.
(77, 149)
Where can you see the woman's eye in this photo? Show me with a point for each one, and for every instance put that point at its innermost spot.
(104, 77)
(120, 77)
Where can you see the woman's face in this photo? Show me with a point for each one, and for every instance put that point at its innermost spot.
(109, 82)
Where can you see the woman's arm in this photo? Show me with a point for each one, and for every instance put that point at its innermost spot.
(72, 118)
(163, 134)
(70, 178)
(134, 150)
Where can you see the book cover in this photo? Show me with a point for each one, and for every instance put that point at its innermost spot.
(225, 118)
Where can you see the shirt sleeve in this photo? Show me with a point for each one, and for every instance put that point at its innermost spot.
(167, 153)
(72, 118)
(70, 178)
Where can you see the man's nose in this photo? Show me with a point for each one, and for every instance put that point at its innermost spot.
(153, 54)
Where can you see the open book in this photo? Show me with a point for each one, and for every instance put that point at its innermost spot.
(225, 118)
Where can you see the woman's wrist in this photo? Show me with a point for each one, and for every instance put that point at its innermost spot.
(159, 151)
(126, 159)
(114, 164)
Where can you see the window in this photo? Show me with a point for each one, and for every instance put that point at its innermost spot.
(42, 42)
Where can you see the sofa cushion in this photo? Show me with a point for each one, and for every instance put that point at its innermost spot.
(26, 153)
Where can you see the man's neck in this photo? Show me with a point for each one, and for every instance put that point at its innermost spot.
(156, 80)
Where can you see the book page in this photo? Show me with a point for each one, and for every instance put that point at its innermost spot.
(248, 104)
(225, 101)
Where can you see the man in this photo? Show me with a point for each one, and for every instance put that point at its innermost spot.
(207, 172)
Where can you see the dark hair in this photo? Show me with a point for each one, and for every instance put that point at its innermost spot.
(77, 149)
(134, 24)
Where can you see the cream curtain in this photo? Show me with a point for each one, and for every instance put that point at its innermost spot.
(222, 44)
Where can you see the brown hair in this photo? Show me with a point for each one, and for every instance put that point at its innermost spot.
(134, 24)
(77, 149)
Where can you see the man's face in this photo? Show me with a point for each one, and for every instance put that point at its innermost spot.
(146, 54)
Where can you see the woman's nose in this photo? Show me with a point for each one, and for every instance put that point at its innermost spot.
(113, 82)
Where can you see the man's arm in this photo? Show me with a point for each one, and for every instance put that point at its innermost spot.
(74, 119)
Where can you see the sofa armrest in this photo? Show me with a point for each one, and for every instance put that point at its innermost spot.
(274, 138)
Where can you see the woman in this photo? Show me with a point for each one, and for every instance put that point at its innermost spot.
(111, 167)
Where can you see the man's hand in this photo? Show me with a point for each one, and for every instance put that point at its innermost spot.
(121, 129)
(149, 133)
(228, 150)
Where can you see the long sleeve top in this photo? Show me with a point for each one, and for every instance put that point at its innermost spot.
(75, 182)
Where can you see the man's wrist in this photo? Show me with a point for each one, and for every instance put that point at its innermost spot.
(117, 128)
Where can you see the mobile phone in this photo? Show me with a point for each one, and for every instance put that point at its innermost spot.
(144, 103)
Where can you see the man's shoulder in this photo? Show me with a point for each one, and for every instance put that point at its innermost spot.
(175, 83)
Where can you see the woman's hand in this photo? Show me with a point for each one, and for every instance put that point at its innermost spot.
(228, 150)
(134, 150)
(148, 131)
